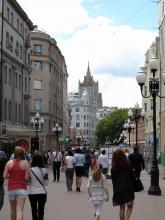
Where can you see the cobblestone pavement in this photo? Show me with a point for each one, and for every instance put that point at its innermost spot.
(63, 205)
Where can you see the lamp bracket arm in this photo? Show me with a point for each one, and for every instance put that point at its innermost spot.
(161, 96)
(145, 96)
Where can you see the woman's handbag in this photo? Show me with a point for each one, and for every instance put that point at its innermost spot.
(138, 185)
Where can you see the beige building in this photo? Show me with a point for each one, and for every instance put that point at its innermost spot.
(48, 87)
(148, 104)
(15, 28)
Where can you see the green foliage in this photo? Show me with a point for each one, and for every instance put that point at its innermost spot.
(110, 127)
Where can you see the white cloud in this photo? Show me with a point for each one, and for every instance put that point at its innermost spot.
(114, 52)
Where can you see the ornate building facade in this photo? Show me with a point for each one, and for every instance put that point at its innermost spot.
(14, 71)
(48, 87)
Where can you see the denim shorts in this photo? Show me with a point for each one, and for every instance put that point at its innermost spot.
(21, 193)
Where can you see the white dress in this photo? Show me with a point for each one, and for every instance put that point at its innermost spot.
(97, 190)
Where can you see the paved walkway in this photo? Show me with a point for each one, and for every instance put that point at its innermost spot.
(63, 205)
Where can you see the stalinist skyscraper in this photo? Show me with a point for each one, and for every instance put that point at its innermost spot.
(92, 87)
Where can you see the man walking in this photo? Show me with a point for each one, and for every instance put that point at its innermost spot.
(103, 160)
(56, 163)
(137, 161)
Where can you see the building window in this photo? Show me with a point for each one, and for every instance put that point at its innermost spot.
(17, 49)
(21, 28)
(37, 48)
(12, 18)
(21, 52)
(20, 82)
(11, 43)
(37, 84)
(145, 107)
(9, 109)
(16, 80)
(8, 14)
(37, 65)
(77, 110)
(145, 90)
(5, 109)
(37, 104)
(25, 54)
(25, 84)
(77, 117)
(151, 104)
(5, 74)
(7, 40)
(77, 124)
(9, 76)
(17, 25)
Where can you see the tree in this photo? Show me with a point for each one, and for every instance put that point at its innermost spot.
(110, 127)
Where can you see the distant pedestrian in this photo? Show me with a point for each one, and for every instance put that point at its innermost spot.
(37, 190)
(45, 158)
(137, 161)
(69, 170)
(79, 160)
(123, 193)
(103, 159)
(56, 164)
(97, 190)
(87, 163)
(62, 161)
(93, 160)
(17, 173)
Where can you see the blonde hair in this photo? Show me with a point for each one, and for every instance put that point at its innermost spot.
(125, 150)
(97, 172)
(19, 153)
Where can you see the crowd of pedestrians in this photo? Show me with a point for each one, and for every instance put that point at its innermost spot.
(28, 178)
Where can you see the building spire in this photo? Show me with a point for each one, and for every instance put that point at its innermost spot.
(88, 70)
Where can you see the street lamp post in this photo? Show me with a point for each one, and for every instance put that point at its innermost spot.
(154, 188)
(57, 130)
(128, 126)
(136, 116)
(37, 123)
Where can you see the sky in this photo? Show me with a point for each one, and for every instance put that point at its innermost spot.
(112, 35)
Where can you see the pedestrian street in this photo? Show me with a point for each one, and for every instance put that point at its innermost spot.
(64, 205)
